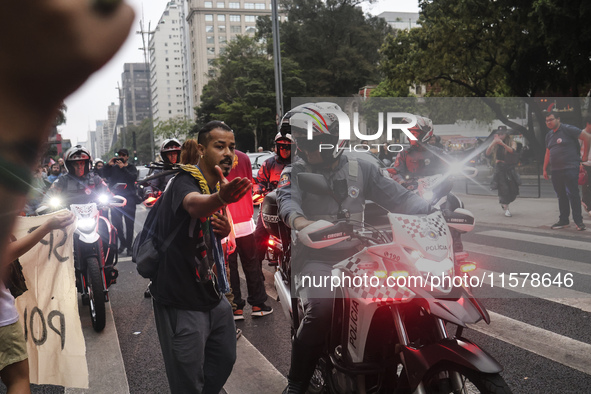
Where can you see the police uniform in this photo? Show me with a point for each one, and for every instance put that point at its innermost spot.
(77, 190)
(267, 180)
(354, 182)
(420, 161)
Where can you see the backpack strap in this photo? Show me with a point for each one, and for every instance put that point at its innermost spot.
(172, 235)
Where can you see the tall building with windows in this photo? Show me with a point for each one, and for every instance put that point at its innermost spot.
(101, 125)
(136, 93)
(109, 127)
(212, 23)
(170, 87)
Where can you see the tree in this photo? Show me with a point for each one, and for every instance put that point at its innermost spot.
(178, 127)
(478, 48)
(142, 138)
(242, 93)
(333, 42)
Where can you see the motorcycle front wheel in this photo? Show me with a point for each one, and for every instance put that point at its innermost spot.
(455, 379)
(94, 286)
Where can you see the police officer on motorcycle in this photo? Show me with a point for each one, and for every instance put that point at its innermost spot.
(267, 180)
(352, 182)
(423, 159)
(79, 185)
(170, 152)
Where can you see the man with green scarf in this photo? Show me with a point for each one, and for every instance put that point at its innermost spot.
(194, 320)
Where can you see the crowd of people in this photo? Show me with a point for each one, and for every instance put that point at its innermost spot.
(194, 318)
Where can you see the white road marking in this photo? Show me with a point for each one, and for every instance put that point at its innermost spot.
(559, 242)
(530, 258)
(560, 295)
(567, 351)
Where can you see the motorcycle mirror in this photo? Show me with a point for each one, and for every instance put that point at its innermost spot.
(314, 183)
(470, 172)
(120, 186)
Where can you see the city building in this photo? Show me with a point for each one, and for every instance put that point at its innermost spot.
(212, 23)
(401, 20)
(136, 94)
(169, 74)
(101, 125)
(92, 144)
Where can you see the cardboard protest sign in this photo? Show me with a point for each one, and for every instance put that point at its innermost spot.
(49, 309)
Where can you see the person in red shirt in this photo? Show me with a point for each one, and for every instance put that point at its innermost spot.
(242, 212)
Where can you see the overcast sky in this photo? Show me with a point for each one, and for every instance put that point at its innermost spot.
(90, 102)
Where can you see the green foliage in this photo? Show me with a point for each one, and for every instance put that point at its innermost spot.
(61, 114)
(178, 127)
(479, 48)
(242, 94)
(334, 43)
(328, 48)
(143, 145)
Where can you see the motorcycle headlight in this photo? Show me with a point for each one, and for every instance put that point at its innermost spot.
(86, 225)
(55, 202)
(438, 274)
(103, 199)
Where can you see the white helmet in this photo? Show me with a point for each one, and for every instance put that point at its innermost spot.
(77, 153)
(169, 145)
(284, 139)
(325, 128)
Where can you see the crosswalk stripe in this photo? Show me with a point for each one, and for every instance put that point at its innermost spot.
(530, 258)
(567, 351)
(560, 242)
(560, 295)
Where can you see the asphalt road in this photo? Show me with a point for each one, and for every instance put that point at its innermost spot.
(539, 334)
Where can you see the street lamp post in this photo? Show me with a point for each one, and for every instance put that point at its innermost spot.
(147, 63)
(277, 62)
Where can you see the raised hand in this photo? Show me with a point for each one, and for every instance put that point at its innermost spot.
(233, 191)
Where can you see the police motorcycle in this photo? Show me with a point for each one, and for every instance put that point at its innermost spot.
(394, 304)
(95, 252)
(151, 188)
(436, 190)
(149, 193)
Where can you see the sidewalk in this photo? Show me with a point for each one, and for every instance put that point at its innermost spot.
(527, 212)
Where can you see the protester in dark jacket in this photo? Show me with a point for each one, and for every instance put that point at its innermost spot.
(118, 173)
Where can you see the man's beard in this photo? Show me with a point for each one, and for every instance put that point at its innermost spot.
(228, 163)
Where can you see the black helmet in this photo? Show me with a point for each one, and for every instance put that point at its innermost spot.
(77, 153)
(169, 145)
(325, 128)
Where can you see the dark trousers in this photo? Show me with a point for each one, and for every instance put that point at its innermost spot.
(311, 336)
(198, 348)
(246, 248)
(127, 214)
(566, 186)
(261, 237)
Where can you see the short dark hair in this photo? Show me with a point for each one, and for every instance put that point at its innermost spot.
(587, 120)
(203, 136)
(555, 114)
